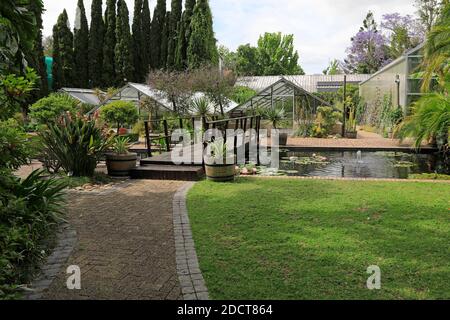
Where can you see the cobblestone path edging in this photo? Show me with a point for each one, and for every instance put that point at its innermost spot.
(66, 239)
(189, 274)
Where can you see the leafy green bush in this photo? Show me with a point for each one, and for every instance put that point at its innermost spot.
(77, 143)
(241, 94)
(325, 120)
(120, 113)
(29, 212)
(48, 109)
(14, 147)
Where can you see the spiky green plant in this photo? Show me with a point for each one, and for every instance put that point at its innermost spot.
(77, 143)
(430, 118)
(120, 145)
(200, 106)
(275, 115)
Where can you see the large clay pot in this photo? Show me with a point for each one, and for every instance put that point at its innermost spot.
(120, 165)
(220, 172)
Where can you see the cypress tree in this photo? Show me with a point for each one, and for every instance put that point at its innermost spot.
(137, 42)
(184, 35)
(202, 47)
(56, 66)
(64, 56)
(156, 33)
(109, 71)
(146, 37)
(80, 43)
(123, 54)
(174, 27)
(96, 35)
(37, 60)
(165, 40)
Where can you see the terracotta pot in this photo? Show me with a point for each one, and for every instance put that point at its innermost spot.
(120, 165)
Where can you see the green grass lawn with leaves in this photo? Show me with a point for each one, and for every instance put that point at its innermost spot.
(314, 239)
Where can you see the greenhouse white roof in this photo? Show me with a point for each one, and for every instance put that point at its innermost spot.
(88, 96)
(135, 91)
(311, 83)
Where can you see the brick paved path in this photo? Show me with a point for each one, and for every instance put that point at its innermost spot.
(126, 245)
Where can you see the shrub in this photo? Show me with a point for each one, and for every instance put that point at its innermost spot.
(14, 148)
(325, 120)
(77, 143)
(241, 94)
(120, 113)
(48, 109)
(29, 212)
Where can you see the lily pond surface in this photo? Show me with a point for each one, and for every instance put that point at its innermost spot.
(353, 164)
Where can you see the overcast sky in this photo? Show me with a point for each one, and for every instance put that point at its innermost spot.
(322, 28)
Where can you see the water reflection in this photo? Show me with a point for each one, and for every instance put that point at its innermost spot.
(352, 164)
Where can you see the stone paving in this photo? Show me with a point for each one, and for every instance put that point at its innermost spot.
(191, 280)
(126, 244)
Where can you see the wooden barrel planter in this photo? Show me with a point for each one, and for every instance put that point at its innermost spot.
(220, 172)
(283, 139)
(120, 165)
(351, 135)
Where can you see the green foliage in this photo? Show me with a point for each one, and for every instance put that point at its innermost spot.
(80, 43)
(63, 59)
(137, 43)
(123, 50)
(18, 29)
(164, 41)
(275, 115)
(430, 118)
(96, 36)
(146, 35)
(29, 212)
(437, 50)
(350, 123)
(119, 113)
(241, 94)
(109, 71)
(202, 47)
(48, 109)
(14, 146)
(14, 91)
(333, 68)
(156, 33)
(120, 145)
(325, 120)
(274, 55)
(77, 143)
(200, 106)
(184, 36)
(173, 30)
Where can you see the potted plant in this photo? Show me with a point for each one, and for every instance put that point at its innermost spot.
(276, 116)
(120, 161)
(219, 166)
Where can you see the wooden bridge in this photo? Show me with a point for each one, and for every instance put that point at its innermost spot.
(162, 167)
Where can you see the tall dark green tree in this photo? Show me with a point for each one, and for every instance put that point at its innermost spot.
(80, 43)
(202, 47)
(123, 51)
(63, 52)
(37, 59)
(109, 71)
(165, 41)
(174, 27)
(184, 35)
(137, 40)
(158, 23)
(146, 37)
(96, 36)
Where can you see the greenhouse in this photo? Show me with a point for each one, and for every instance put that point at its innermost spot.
(399, 80)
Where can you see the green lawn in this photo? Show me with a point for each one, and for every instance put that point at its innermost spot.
(314, 239)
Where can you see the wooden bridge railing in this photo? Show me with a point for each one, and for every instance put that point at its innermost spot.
(244, 123)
